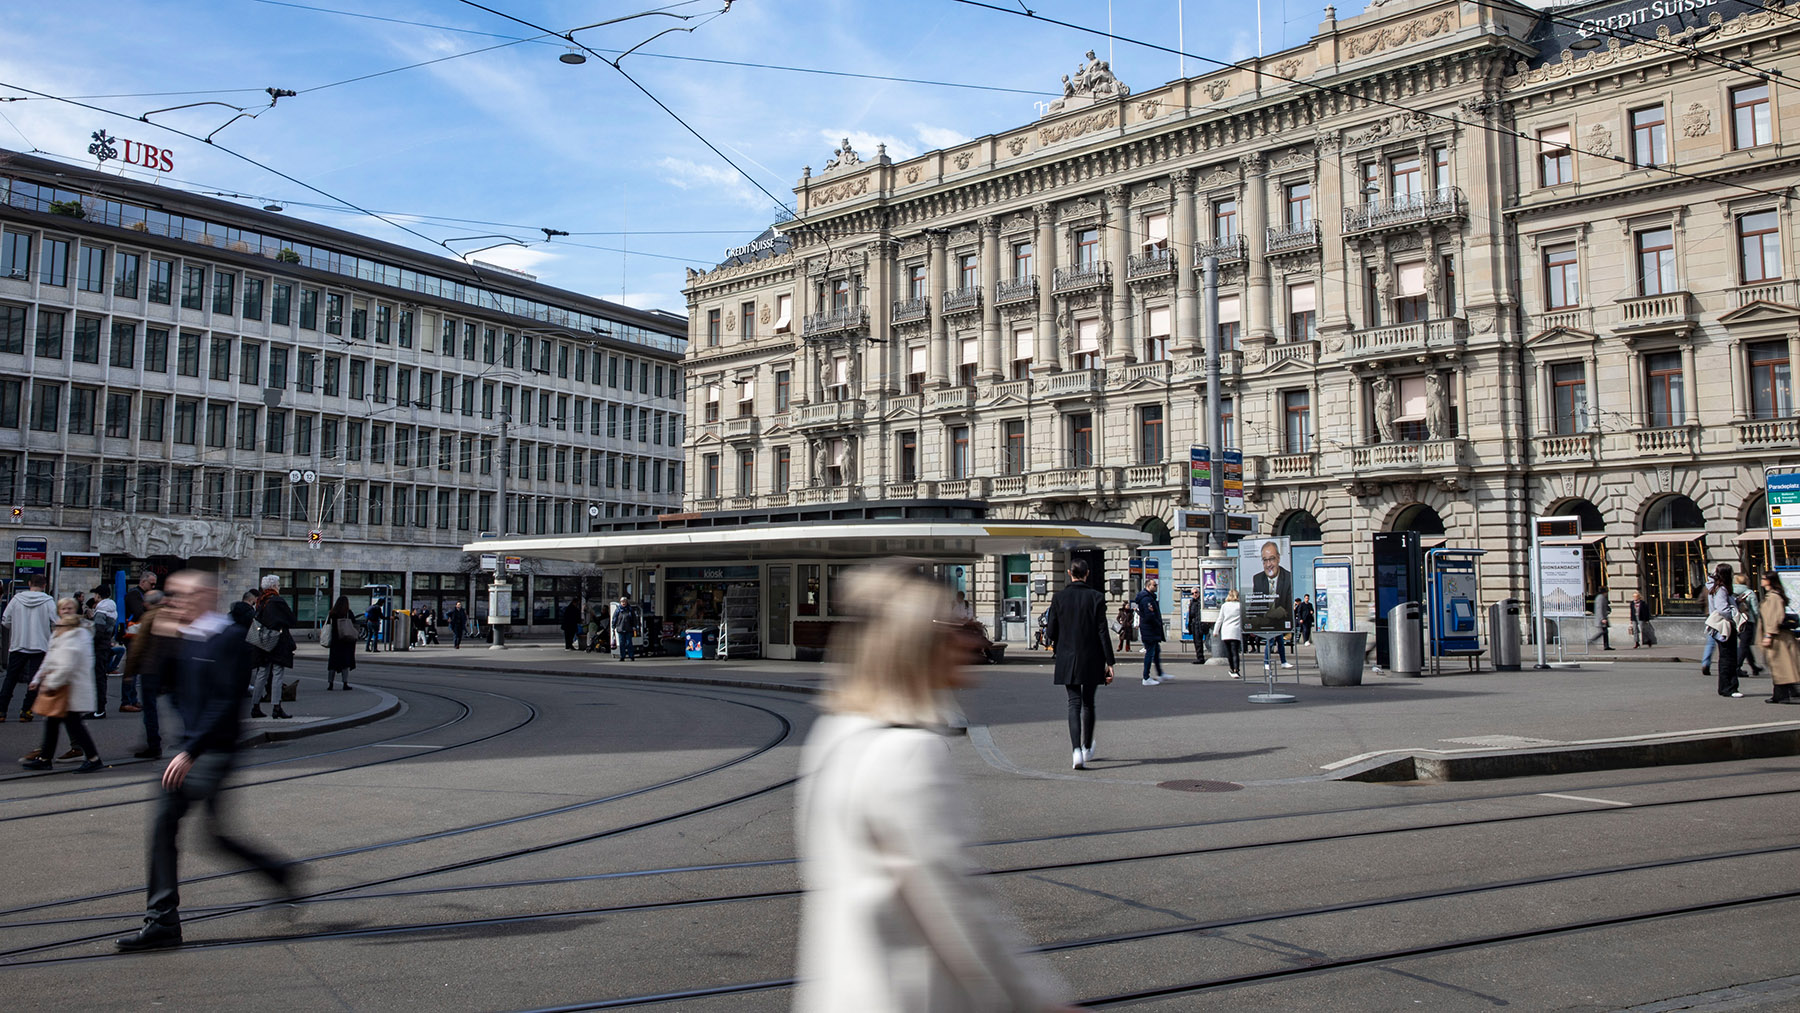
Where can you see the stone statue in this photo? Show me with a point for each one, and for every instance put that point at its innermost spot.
(1068, 87)
(843, 157)
(849, 460)
(1437, 407)
(1384, 409)
(821, 461)
(1092, 81)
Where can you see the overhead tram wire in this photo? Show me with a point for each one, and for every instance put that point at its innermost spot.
(1690, 50)
(1349, 95)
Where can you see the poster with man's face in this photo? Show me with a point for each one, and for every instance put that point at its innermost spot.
(1266, 584)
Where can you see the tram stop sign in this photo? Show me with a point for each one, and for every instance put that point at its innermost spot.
(1784, 499)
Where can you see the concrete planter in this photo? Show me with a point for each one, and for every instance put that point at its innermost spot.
(1340, 657)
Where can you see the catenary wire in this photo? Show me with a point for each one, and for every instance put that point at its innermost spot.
(1626, 35)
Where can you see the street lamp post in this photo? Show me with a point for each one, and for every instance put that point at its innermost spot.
(500, 473)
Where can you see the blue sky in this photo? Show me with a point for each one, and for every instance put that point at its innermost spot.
(515, 137)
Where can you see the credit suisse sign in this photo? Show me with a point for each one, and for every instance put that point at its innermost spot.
(1624, 20)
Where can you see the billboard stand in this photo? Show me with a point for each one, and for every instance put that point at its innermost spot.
(1269, 695)
(1566, 575)
(1266, 588)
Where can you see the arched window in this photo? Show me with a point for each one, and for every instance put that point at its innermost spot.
(1158, 531)
(1672, 556)
(1301, 526)
(1421, 518)
(1760, 545)
(1593, 548)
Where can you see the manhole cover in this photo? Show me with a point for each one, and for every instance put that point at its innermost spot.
(1212, 786)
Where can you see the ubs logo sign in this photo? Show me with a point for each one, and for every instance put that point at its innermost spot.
(135, 152)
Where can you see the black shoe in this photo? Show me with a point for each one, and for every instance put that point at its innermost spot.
(1706, 671)
(153, 936)
(281, 713)
(90, 766)
(257, 712)
(38, 763)
(346, 685)
(97, 715)
(148, 753)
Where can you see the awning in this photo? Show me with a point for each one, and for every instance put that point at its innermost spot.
(1594, 538)
(947, 540)
(1668, 536)
(1780, 535)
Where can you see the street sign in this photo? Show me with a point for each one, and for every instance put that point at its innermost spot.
(1193, 520)
(1234, 480)
(1200, 477)
(30, 555)
(1240, 524)
(515, 563)
(489, 561)
(1783, 491)
(1137, 566)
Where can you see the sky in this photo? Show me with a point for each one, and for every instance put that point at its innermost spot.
(511, 140)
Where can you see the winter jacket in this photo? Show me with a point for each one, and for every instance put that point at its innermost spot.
(30, 617)
(1231, 621)
(70, 662)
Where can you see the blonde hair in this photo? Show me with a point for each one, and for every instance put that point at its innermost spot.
(1231, 595)
(73, 619)
(881, 663)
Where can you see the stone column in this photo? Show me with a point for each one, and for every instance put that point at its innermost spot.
(992, 366)
(1047, 358)
(1119, 240)
(1589, 375)
(1255, 307)
(877, 355)
(1328, 193)
(1690, 382)
(939, 376)
(1187, 278)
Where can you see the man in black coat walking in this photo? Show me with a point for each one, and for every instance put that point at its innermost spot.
(571, 623)
(208, 668)
(1076, 627)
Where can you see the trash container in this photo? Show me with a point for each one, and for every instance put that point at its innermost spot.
(1503, 633)
(400, 632)
(1405, 654)
(703, 643)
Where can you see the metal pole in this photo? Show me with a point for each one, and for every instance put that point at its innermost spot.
(505, 465)
(1215, 438)
(1537, 597)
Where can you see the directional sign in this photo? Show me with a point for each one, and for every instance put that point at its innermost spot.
(1784, 499)
(1200, 477)
(1234, 480)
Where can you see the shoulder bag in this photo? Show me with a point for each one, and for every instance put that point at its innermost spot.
(261, 637)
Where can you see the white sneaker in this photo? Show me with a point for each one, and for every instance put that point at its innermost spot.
(1287, 664)
(1080, 761)
(1087, 755)
(1152, 682)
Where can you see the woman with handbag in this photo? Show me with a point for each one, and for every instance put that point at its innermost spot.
(1721, 627)
(65, 685)
(341, 636)
(272, 644)
(1780, 644)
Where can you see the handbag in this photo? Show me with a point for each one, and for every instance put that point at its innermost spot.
(51, 703)
(345, 628)
(1790, 623)
(290, 690)
(261, 637)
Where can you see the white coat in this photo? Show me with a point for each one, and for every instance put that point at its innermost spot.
(892, 919)
(70, 662)
(1231, 621)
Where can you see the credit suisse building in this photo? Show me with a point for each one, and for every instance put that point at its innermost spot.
(1479, 263)
(184, 380)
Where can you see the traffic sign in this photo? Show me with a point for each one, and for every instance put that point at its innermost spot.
(1783, 492)
(1234, 479)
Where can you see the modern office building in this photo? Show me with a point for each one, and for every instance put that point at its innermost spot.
(1479, 262)
(184, 380)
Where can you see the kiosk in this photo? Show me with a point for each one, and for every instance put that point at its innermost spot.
(1453, 591)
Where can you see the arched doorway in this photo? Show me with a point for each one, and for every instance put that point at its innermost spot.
(1592, 542)
(1421, 518)
(1306, 540)
(1672, 556)
(1301, 526)
(1761, 548)
(1157, 530)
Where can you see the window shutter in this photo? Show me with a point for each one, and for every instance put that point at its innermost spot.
(1023, 344)
(1553, 141)
(1229, 309)
(1087, 335)
(1412, 400)
(969, 351)
(1300, 298)
(915, 359)
(1159, 321)
(1156, 230)
(1412, 279)
(784, 308)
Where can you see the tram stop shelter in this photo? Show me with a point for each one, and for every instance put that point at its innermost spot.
(768, 579)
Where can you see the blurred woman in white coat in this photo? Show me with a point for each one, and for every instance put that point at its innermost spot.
(893, 919)
(1231, 631)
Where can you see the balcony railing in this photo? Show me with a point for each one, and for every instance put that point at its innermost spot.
(1654, 310)
(1073, 382)
(1781, 292)
(1289, 466)
(1303, 352)
(1425, 335)
(1406, 209)
(1138, 477)
(1008, 486)
(1080, 276)
(950, 399)
(1155, 372)
(1768, 433)
(961, 488)
(741, 426)
(1018, 390)
(1567, 447)
(1155, 264)
(962, 300)
(1578, 319)
(911, 309)
(1408, 458)
(909, 490)
(1013, 291)
(1297, 238)
(828, 413)
(1665, 440)
(1066, 482)
(849, 318)
(1229, 250)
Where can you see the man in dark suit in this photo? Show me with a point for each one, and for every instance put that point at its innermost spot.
(209, 669)
(1271, 607)
(1076, 627)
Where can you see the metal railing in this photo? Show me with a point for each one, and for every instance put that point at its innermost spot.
(1406, 209)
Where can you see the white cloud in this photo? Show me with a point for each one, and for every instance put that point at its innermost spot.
(721, 180)
(530, 259)
(939, 137)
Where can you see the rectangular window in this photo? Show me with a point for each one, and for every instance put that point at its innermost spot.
(406, 328)
(1656, 261)
(162, 280)
(334, 367)
(87, 339)
(1440, 169)
(1087, 344)
(328, 438)
(784, 314)
(78, 484)
(1556, 163)
(715, 327)
(746, 325)
(353, 440)
(156, 350)
(359, 323)
(15, 262)
(840, 296)
(909, 456)
(1021, 261)
(783, 389)
(125, 274)
(380, 390)
(181, 491)
(1299, 204)
(1648, 138)
(50, 327)
(246, 427)
(746, 473)
(218, 424)
(12, 329)
(90, 273)
(1225, 223)
(377, 443)
(224, 292)
(1406, 181)
(40, 482)
(1012, 447)
(1151, 448)
(278, 367)
(55, 268)
(309, 309)
(193, 287)
(334, 313)
(1569, 400)
(1156, 334)
(1302, 312)
(959, 452)
(250, 364)
(1663, 389)
(303, 435)
(1087, 249)
(1296, 421)
(1771, 396)
(968, 272)
(710, 468)
(384, 317)
(118, 416)
(1750, 124)
(82, 407)
(275, 433)
(1024, 344)
(1759, 247)
(218, 365)
(1562, 277)
(1081, 440)
(783, 471)
(1410, 303)
(967, 361)
(150, 425)
(122, 353)
(279, 304)
(187, 420)
(253, 298)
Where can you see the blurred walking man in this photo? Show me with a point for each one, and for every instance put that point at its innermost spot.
(1076, 627)
(209, 670)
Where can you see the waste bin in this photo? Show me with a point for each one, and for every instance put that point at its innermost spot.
(400, 632)
(703, 643)
(1503, 633)
(1405, 654)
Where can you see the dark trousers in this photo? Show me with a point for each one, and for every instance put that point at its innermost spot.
(456, 635)
(1604, 636)
(1306, 632)
(627, 651)
(1234, 651)
(569, 638)
(1081, 715)
(1200, 639)
(1746, 655)
(150, 692)
(21, 668)
(100, 665)
(78, 736)
(203, 783)
(1727, 660)
(1152, 655)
